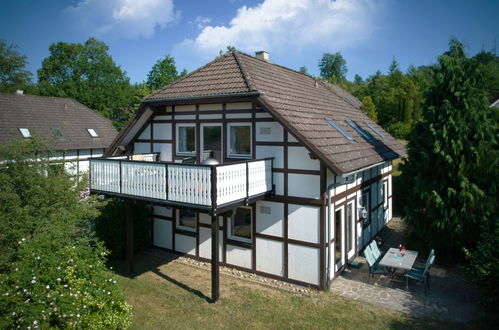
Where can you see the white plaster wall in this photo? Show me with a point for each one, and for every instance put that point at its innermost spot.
(185, 244)
(165, 151)
(303, 263)
(210, 116)
(238, 106)
(205, 243)
(274, 129)
(304, 185)
(212, 107)
(238, 256)
(269, 256)
(270, 224)
(291, 138)
(238, 115)
(304, 223)
(166, 117)
(278, 180)
(146, 133)
(187, 107)
(162, 233)
(185, 117)
(162, 210)
(141, 148)
(298, 158)
(271, 151)
(162, 131)
(206, 219)
(263, 115)
(84, 166)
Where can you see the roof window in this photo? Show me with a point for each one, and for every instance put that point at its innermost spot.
(25, 132)
(57, 133)
(92, 132)
(359, 130)
(374, 130)
(339, 129)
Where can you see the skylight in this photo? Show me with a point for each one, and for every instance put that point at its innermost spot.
(359, 130)
(92, 132)
(57, 133)
(374, 130)
(339, 129)
(25, 132)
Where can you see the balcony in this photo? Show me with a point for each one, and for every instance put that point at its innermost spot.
(205, 187)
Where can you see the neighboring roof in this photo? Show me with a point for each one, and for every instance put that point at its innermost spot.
(300, 102)
(495, 102)
(47, 116)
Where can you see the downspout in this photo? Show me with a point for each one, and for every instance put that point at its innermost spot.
(329, 220)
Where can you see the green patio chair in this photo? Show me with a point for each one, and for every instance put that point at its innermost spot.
(373, 264)
(428, 260)
(375, 250)
(419, 275)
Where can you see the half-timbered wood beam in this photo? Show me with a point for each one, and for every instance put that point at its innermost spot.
(215, 275)
(129, 235)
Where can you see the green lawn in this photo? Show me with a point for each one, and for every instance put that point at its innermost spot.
(173, 295)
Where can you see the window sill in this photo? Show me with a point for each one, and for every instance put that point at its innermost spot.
(186, 232)
(239, 243)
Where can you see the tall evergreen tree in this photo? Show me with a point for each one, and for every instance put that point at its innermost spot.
(451, 174)
(13, 73)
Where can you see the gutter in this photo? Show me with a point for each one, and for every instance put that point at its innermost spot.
(204, 96)
(345, 175)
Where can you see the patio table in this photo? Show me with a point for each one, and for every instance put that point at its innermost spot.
(393, 259)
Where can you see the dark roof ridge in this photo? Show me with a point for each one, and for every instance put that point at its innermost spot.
(244, 72)
(150, 96)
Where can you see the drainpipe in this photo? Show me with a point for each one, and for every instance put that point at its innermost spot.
(329, 220)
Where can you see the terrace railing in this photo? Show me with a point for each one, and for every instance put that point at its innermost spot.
(202, 185)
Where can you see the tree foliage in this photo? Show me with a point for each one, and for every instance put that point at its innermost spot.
(333, 67)
(369, 108)
(13, 73)
(451, 173)
(52, 272)
(87, 73)
(163, 73)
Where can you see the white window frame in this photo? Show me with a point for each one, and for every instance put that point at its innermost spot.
(177, 140)
(243, 156)
(185, 228)
(385, 194)
(201, 138)
(239, 238)
(25, 132)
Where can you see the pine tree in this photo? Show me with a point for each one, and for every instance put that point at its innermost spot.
(451, 172)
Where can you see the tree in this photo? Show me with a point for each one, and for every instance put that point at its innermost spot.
(13, 73)
(230, 49)
(333, 67)
(304, 70)
(87, 73)
(451, 174)
(369, 108)
(163, 73)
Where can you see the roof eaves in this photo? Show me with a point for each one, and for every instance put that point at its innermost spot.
(201, 96)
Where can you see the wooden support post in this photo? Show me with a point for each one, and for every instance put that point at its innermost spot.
(129, 235)
(215, 283)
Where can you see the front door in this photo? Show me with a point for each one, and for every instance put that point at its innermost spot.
(339, 235)
(211, 142)
(350, 235)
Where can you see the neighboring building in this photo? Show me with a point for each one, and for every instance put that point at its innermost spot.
(331, 165)
(71, 131)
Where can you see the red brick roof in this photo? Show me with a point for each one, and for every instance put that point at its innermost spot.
(299, 102)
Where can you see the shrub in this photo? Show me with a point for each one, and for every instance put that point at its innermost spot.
(400, 130)
(59, 283)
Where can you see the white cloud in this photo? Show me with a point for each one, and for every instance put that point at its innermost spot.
(283, 25)
(201, 21)
(123, 18)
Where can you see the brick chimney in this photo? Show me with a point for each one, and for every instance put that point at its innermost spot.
(263, 55)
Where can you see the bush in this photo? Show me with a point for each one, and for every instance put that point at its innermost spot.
(58, 283)
(110, 227)
(400, 130)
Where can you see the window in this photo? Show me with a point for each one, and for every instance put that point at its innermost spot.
(25, 132)
(92, 132)
(385, 194)
(186, 139)
(240, 224)
(366, 205)
(239, 140)
(338, 220)
(350, 227)
(374, 130)
(186, 219)
(339, 129)
(359, 130)
(57, 133)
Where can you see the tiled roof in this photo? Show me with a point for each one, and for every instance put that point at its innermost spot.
(40, 114)
(299, 102)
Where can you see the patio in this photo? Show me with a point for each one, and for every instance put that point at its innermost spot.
(450, 297)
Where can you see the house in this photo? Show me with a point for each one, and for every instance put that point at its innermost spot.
(72, 132)
(304, 180)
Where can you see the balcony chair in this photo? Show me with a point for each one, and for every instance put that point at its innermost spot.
(421, 274)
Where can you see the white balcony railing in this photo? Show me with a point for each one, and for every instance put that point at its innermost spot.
(205, 185)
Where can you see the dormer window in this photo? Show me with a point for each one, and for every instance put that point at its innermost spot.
(92, 132)
(57, 133)
(25, 133)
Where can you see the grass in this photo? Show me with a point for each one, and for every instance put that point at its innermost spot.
(174, 295)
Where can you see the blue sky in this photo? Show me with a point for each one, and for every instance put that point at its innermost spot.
(368, 33)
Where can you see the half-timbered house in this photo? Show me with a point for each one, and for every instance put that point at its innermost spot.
(265, 168)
